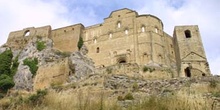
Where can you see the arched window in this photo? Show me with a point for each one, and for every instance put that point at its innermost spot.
(187, 34)
(95, 40)
(143, 29)
(119, 24)
(97, 50)
(156, 30)
(110, 35)
(126, 31)
(122, 60)
(27, 33)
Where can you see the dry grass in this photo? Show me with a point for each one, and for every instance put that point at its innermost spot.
(179, 101)
(91, 98)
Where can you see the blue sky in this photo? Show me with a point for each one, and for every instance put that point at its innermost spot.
(19, 14)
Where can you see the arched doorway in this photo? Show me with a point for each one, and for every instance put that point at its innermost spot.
(187, 72)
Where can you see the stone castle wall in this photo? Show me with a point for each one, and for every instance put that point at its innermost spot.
(18, 39)
(66, 38)
(126, 37)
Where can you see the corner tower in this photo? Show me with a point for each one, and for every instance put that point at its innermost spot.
(190, 54)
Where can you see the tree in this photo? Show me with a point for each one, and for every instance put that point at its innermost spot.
(80, 43)
(6, 82)
(5, 62)
(6, 74)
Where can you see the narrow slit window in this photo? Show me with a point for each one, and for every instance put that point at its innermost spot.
(97, 50)
(187, 34)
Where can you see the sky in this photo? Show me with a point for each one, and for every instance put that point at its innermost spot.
(20, 14)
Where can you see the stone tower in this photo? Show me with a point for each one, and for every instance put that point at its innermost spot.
(190, 55)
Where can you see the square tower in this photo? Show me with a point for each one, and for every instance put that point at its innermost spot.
(190, 54)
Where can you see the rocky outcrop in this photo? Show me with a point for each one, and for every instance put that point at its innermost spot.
(80, 65)
(23, 78)
(158, 87)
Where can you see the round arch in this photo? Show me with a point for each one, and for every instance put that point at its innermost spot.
(122, 60)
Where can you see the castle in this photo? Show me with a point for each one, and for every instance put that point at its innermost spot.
(127, 37)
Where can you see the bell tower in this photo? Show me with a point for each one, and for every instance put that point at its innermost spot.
(190, 54)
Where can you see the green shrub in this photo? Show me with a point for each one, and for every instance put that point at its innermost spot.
(135, 86)
(212, 84)
(40, 45)
(216, 94)
(109, 70)
(6, 82)
(14, 67)
(152, 69)
(145, 69)
(120, 98)
(1, 95)
(63, 54)
(32, 64)
(80, 43)
(6, 79)
(37, 98)
(5, 62)
(129, 96)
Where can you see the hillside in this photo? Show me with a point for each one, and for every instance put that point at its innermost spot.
(41, 77)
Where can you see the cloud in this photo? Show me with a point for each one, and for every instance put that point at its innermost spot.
(191, 12)
(20, 14)
(16, 15)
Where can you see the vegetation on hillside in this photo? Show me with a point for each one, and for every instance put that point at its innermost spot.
(80, 43)
(88, 100)
(14, 66)
(32, 64)
(6, 72)
(40, 45)
(5, 62)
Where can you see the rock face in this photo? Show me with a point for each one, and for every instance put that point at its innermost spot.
(54, 66)
(84, 50)
(23, 78)
(80, 65)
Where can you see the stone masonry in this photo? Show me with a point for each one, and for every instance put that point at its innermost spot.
(127, 37)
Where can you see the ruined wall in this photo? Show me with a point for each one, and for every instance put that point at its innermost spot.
(66, 38)
(18, 39)
(191, 55)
